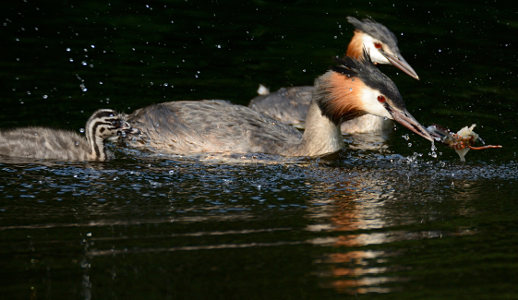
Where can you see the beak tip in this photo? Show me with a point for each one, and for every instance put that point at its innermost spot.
(404, 118)
(400, 63)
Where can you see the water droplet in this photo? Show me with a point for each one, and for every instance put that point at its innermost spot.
(409, 145)
(68, 49)
(44, 96)
(304, 70)
(82, 130)
(218, 46)
(92, 46)
(84, 63)
(171, 172)
(71, 60)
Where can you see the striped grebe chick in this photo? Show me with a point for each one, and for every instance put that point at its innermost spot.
(371, 39)
(62, 145)
(349, 90)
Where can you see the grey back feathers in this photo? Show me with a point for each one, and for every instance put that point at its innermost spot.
(61, 145)
(287, 104)
(208, 126)
(376, 30)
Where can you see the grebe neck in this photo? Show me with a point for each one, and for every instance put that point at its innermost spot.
(322, 136)
(95, 140)
(355, 48)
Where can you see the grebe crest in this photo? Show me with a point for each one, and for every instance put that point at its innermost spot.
(380, 43)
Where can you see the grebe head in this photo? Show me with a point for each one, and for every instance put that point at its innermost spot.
(105, 123)
(381, 44)
(357, 87)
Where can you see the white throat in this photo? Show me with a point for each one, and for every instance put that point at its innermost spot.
(374, 53)
(321, 136)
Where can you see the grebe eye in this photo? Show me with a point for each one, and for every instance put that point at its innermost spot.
(381, 99)
(377, 45)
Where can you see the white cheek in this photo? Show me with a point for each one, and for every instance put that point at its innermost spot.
(374, 53)
(371, 104)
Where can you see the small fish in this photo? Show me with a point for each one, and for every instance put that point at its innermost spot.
(461, 142)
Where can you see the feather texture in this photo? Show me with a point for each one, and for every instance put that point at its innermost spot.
(62, 145)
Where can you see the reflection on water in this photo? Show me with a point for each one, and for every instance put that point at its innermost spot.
(350, 226)
(359, 213)
(354, 206)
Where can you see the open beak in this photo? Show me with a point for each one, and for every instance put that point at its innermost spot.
(400, 63)
(404, 118)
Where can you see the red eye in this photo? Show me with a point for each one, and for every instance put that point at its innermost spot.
(377, 45)
(381, 99)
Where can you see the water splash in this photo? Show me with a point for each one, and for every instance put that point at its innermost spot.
(433, 150)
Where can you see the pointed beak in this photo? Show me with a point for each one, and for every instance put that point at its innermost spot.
(404, 118)
(400, 63)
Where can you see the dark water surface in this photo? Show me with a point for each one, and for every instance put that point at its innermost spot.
(393, 222)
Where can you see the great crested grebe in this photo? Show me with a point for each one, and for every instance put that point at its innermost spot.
(61, 145)
(370, 38)
(348, 90)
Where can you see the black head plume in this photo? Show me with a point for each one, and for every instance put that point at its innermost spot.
(376, 30)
